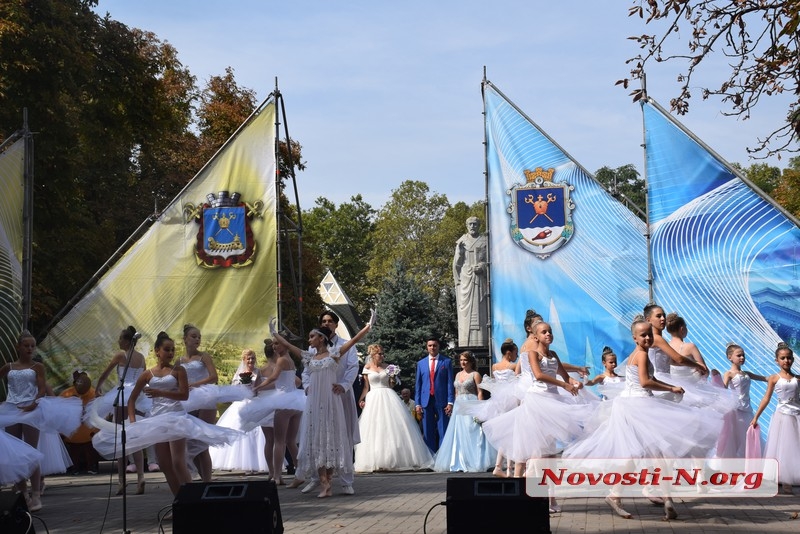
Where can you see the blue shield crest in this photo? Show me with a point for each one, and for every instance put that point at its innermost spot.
(224, 231)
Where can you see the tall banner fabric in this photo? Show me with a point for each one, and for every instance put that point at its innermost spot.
(209, 260)
(559, 243)
(725, 257)
(12, 187)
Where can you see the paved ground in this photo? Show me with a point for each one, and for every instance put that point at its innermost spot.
(395, 503)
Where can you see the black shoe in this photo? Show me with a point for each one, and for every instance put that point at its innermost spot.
(290, 470)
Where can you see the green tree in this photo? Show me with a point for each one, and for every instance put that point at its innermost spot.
(341, 237)
(625, 184)
(406, 231)
(764, 176)
(106, 106)
(405, 319)
(224, 106)
(787, 192)
(759, 43)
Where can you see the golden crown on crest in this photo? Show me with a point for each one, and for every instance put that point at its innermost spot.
(545, 175)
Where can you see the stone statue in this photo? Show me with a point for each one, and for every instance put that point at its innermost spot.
(470, 272)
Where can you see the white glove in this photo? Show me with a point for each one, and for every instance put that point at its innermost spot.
(272, 326)
(373, 317)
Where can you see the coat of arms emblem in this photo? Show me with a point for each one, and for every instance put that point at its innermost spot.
(225, 238)
(541, 213)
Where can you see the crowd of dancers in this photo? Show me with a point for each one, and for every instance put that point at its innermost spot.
(662, 405)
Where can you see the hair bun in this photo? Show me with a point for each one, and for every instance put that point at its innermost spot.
(530, 313)
(729, 344)
(638, 318)
(607, 349)
(783, 345)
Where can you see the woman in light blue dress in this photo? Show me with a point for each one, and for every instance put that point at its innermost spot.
(464, 447)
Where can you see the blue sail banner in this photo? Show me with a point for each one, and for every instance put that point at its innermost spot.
(724, 256)
(559, 243)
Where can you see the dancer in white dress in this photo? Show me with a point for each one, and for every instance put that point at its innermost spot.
(200, 371)
(278, 408)
(609, 382)
(105, 403)
(324, 435)
(784, 429)
(732, 441)
(640, 425)
(168, 425)
(546, 421)
(390, 437)
(20, 460)
(245, 454)
(698, 391)
(501, 386)
(27, 411)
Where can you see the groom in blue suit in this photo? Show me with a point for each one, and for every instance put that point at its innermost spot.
(434, 394)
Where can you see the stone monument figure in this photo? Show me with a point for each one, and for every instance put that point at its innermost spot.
(470, 274)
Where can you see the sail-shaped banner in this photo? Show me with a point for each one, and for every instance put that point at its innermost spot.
(725, 256)
(12, 164)
(209, 259)
(559, 242)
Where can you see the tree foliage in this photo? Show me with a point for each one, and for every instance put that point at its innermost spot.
(419, 229)
(405, 319)
(109, 107)
(759, 40)
(787, 192)
(341, 238)
(763, 176)
(120, 127)
(626, 185)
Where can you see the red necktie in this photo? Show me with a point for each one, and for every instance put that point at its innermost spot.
(433, 372)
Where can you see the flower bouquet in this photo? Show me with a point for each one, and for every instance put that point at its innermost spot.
(392, 371)
(246, 377)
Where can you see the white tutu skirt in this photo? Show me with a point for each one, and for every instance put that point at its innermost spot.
(390, 436)
(105, 403)
(207, 396)
(160, 428)
(19, 459)
(649, 427)
(541, 426)
(782, 440)
(732, 442)
(699, 392)
(247, 453)
(503, 399)
(56, 457)
(54, 414)
(610, 390)
(260, 411)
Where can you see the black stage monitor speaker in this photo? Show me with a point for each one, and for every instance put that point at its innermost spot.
(14, 516)
(490, 504)
(243, 507)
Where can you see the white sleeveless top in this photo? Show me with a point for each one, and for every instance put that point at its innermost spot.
(163, 404)
(22, 387)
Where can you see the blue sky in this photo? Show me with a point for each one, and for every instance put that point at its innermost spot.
(381, 92)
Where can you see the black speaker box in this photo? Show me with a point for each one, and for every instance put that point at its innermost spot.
(490, 504)
(14, 516)
(249, 507)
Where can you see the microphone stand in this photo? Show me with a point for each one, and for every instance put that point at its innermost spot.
(119, 402)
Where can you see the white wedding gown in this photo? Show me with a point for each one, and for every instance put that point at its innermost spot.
(390, 437)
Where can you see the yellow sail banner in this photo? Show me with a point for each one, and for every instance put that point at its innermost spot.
(209, 259)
